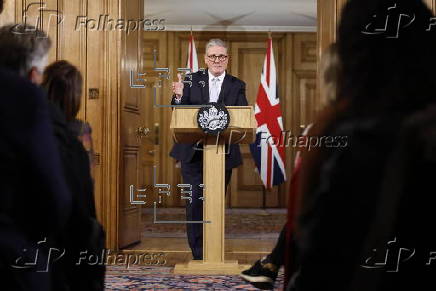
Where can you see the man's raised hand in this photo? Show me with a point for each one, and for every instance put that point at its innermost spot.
(178, 86)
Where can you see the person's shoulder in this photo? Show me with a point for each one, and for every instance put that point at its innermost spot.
(20, 95)
(234, 79)
(12, 83)
(378, 125)
(363, 139)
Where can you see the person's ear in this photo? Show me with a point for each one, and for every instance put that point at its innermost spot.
(35, 76)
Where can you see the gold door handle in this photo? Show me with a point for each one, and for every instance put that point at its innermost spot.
(142, 131)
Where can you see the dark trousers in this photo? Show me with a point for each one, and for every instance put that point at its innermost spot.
(192, 174)
(278, 253)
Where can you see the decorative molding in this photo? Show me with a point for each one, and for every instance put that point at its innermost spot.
(131, 108)
(305, 52)
(308, 49)
(111, 145)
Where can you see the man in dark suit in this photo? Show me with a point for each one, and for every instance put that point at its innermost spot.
(211, 85)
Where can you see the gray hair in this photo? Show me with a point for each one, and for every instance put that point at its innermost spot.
(216, 42)
(23, 47)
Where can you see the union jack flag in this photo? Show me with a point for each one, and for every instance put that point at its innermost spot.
(268, 153)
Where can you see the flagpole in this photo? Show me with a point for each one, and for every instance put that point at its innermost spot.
(263, 186)
(263, 197)
(264, 212)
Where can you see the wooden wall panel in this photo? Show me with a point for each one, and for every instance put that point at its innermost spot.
(247, 62)
(153, 44)
(95, 92)
(326, 24)
(72, 44)
(111, 123)
(11, 12)
(306, 105)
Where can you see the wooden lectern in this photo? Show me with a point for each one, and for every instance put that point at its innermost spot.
(240, 130)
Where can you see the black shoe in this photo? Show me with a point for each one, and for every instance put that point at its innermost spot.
(261, 275)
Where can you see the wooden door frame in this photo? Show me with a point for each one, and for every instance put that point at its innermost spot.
(111, 133)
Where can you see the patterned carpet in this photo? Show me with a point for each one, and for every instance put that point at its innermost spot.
(240, 223)
(161, 278)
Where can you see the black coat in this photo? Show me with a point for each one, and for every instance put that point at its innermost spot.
(32, 187)
(35, 203)
(83, 232)
(232, 94)
(377, 189)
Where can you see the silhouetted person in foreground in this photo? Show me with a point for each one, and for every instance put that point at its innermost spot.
(376, 190)
(35, 203)
(83, 236)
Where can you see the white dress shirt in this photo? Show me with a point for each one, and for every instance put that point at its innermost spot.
(214, 93)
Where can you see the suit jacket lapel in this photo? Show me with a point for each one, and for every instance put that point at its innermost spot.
(225, 88)
(205, 89)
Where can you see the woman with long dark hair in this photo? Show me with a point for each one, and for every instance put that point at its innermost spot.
(63, 83)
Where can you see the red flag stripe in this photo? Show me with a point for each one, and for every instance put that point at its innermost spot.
(191, 52)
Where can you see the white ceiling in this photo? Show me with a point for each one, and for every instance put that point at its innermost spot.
(234, 15)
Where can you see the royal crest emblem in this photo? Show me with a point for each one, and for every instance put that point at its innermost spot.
(213, 119)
